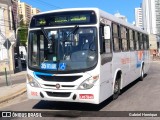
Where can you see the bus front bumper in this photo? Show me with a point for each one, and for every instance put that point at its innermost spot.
(82, 96)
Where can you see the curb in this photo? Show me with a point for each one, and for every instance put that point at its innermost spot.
(12, 96)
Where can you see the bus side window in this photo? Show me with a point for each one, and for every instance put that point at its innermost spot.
(106, 47)
(145, 42)
(124, 37)
(116, 39)
(141, 41)
(136, 41)
(107, 42)
(102, 42)
(131, 40)
(147, 38)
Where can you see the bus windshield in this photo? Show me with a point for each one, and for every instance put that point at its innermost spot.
(63, 49)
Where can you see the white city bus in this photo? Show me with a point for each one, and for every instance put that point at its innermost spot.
(83, 55)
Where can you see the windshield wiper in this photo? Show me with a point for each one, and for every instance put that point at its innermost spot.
(75, 29)
(72, 32)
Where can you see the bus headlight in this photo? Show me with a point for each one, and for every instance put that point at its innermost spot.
(89, 83)
(32, 81)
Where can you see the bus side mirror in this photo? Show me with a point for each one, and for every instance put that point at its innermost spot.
(107, 32)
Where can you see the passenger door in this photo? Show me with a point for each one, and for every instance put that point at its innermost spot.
(106, 60)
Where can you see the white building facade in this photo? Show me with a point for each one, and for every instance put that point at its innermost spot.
(6, 32)
(3, 50)
(138, 18)
(149, 16)
(157, 9)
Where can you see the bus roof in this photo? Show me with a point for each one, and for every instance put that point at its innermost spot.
(101, 13)
(120, 21)
(68, 9)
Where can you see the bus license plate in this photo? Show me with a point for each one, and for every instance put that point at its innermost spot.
(86, 96)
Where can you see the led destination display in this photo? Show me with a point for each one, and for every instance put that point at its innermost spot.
(67, 18)
(77, 18)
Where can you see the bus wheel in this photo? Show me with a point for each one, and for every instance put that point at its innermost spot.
(142, 74)
(116, 88)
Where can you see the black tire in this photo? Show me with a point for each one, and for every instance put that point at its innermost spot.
(116, 88)
(142, 74)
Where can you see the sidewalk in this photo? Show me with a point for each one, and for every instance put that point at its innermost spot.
(9, 92)
(12, 77)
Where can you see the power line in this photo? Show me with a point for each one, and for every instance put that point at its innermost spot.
(48, 4)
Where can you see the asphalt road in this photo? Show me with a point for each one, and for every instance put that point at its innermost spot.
(138, 96)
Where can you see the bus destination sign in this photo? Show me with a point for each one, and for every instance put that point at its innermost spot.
(63, 18)
(77, 18)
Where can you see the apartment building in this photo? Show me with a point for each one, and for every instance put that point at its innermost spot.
(138, 17)
(157, 10)
(25, 11)
(35, 11)
(149, 16)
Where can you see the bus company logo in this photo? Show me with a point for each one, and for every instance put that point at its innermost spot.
(140, 55)
(86, 96)
(58, 86)
(125, 60)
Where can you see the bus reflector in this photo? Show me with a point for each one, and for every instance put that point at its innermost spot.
(34, 93)
(86, 96)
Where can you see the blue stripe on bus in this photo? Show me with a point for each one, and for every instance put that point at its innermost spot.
(45, 74)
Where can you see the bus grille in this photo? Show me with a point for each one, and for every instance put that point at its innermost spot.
(58, 94)
(59, 78)
(69, 86)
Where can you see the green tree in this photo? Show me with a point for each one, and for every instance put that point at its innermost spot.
(22, 32)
